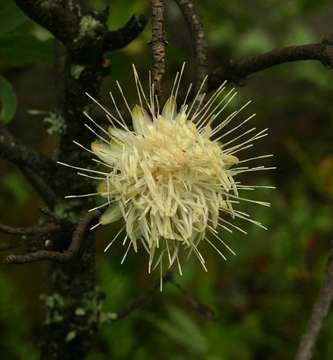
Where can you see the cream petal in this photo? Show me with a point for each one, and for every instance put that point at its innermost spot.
(118, 134)
(207, 132)
(169, 111)
(103, 151)
(112, 214)
(141, 120)
(181, 117)
(103, 188)
(230, 160)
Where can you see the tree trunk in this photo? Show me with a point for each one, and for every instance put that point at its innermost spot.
(71, 308)
(72, 304)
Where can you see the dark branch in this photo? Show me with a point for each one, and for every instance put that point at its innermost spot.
(31, 230)
(237, 70)
(21, 155)
(32, 165)
(205, 312)
(56, 256)
(141, 300)
(198, 38)
(319, 312)
(60, 17)
(79, 32)
(118, 39)
(46, 193)
(158, 44)
(40, 255)
(201, 309)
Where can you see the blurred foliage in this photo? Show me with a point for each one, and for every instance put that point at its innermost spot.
(261, 297)
(14, 340)
(14, 186)
(22, 42)
(7, 100)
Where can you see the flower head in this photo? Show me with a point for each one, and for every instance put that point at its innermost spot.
(171, 178)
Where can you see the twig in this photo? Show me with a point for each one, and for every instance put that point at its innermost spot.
(21, 155)
(319, 312)
(158, 44)
(198, 38)
(204, 311)
(27, 161)
(237, 70)
(56, 256)
(61, 17)
(31, 230)
(118, 39)
(140, 301)
(45, 192)
(64, 19)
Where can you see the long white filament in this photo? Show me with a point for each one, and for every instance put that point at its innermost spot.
(172, 180)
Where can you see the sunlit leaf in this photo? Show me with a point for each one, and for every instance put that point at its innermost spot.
(16, 187)
(8, 101)
(184, 330)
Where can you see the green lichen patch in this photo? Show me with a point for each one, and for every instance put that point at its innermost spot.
(56, 123)
(89, 27)
(76, 71)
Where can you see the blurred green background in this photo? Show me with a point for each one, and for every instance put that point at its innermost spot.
(263, 296)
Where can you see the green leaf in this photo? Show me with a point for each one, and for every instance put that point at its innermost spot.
(10, 17)
(184, 330)
(16, 187)
(7, 100)
(23, 50)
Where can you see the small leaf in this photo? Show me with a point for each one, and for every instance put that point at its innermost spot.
(183, 330)
(8, 101)
(189, 328)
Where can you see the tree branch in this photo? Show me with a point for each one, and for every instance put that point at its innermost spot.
(57, 256)
(45, 192)
(31, 230)
(21, 155)
(34, 166)
(60, 17)
(237, 70)
(204, 311)
(201, 309)
(319, 312)
(81, 33)
(37, 231)
(198, 38)
(141, 300)
(118, 39)
(158, 44)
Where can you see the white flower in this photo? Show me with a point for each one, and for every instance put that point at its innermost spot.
(172, 177)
